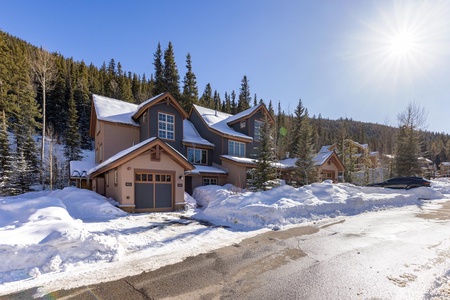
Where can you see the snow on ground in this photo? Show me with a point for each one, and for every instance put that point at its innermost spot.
(73, 237)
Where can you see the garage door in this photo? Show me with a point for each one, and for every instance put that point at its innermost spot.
(153, 191)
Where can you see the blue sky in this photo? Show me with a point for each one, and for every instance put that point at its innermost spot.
(364, 60)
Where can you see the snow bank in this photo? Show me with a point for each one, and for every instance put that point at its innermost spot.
(44, 233)
(286, 205)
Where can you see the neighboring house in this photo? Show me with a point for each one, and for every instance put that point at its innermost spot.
(444, 169)
(148, 155)
(359, 153)
(427, 167)
(327, 163)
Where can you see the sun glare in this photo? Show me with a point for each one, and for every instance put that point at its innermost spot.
(403, 43)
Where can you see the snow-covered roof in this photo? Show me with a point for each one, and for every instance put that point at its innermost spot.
(219, 121)
(80, 168)
(445, 163)
(191, 135)
(238, 159)
(113, 110)
(243, 114)
(120, 155)
(147, 102)
(205, 169)
(319, 159)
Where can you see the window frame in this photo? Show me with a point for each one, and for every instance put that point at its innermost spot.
(203, 153)
(257, 130)
(235, 145)
(209, 181)
(163, 126)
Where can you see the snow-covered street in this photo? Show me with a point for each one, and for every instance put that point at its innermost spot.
(69, 238)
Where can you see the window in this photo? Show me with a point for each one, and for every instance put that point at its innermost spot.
(258, 126)
(107, 179)
(166, 126)
(197, 156)
(236, 148)
(116, 177)
(209, 181)
(242, 124)
(144, 117)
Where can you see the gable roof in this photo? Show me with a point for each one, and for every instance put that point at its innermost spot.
(218, 121)
(113, 110)
(320, 159)
(248, 113)
(130, 153)
(191, 135)
(158, 99)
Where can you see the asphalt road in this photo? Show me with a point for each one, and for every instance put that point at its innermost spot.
(270, 266)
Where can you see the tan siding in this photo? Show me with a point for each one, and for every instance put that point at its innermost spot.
(237, 175)
(115, 138)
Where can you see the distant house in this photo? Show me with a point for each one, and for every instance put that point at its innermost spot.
(359, 153)
(427, 167)
(148, 155)
(327, 163)
(444, 169)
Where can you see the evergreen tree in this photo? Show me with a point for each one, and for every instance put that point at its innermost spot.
(159, 86)
(72, 149)
(171, 77)
(296, 132)
(6, 163)
(216, 100)
(244, 96)
(206, 100)
(227, 101)
(255, 100)
(305, 163)
(264, 171)
(234, 109)
(190, 90)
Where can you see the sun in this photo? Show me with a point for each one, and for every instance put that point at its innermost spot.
(402, 44)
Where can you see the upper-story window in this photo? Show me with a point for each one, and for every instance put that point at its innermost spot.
(236, 148)
(243, 123)
(197, 156)
(144, 117)
(166, 126)
(258, 127)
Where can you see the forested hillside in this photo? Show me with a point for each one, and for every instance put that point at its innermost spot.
(68, 93)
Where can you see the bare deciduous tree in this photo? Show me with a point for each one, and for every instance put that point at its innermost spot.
(44, 70)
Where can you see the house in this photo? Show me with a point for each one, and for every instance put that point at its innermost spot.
(444, 169)
(358, 153)
(427, 167)
(148, 155)
(236, 138)
(327, 163)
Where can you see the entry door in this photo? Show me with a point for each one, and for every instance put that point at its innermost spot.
(153, 191)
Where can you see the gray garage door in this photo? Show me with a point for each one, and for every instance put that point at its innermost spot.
(153, 191)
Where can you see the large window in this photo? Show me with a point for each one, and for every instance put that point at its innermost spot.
(166, 126)
(258, 126)
(236, 148)
(197, 156)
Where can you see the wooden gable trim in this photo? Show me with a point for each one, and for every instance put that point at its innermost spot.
(215, 131)
(166, 97)
(265, 112)
(334, 158)
(154, 147)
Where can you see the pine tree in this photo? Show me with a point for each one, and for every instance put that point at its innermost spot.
(72, 149)
(305, 163)
(216, 100)
(171, 77)
(190, 90)
(244, 96)
(6, 163)
(264, 171)
(227, 100)
(297, 125)
(159, 86)
(206, 100)
(233, 103)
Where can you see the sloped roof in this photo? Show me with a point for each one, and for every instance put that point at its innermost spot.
(320, 158)
(80, 168)
(124, 153)
(199, 169)
(113, 110)
(218, 121)
(157, 99)
(191, 135)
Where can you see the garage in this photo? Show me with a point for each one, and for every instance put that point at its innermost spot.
(154, 191)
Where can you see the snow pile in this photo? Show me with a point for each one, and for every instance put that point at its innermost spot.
(286, 205)
(44, 233)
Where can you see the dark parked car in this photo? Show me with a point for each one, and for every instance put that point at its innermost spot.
(403, 183)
